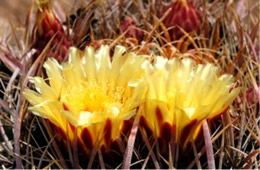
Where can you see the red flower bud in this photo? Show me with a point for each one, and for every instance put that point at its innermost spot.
(132, 29)
(48, 25)
(183, 15)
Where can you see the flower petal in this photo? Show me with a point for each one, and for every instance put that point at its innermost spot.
(53, 70)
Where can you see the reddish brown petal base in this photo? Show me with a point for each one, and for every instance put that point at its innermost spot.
(112, 150)
(167, 136)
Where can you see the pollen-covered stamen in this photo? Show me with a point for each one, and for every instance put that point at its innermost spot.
(92, 97)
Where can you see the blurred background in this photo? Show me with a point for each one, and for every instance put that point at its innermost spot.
(13, 9)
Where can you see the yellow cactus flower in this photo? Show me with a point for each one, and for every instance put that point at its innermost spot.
(180, 95)
(90, 95)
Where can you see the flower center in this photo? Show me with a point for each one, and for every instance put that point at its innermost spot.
(92, 98)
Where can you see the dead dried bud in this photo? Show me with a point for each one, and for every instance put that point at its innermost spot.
(132, 30)
(47, 26)
(184, 15)
(253, 95)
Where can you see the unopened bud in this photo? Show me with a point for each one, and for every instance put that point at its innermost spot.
(182, 15)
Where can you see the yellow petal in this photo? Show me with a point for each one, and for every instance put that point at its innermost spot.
(76, 63)
(103, 64)
(45, 90)
(117, 62)
(53, 70)
(89, 64)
